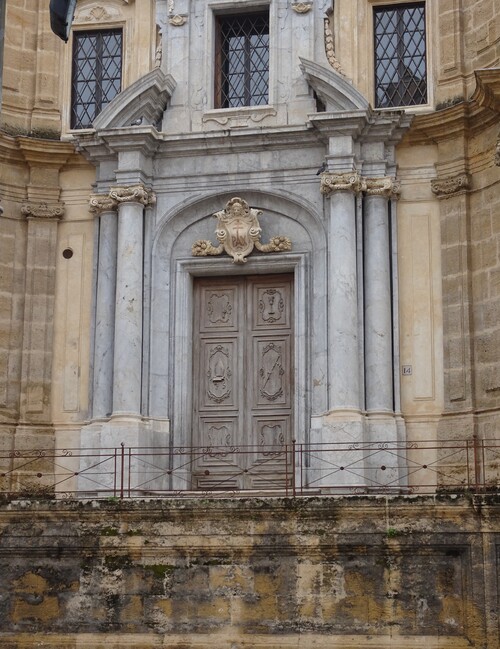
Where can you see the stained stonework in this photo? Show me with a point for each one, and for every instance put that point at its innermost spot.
(250, 573)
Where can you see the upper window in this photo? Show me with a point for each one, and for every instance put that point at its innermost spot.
(97, 72)
(242, 60)
(400, 66)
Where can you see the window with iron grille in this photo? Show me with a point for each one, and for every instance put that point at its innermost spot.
(242, 60)
(97, 72)
(400, 53)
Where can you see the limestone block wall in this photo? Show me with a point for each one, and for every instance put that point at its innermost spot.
(339, 572)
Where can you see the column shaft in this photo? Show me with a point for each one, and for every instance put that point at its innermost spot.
(343, 307)
(128, 314)
(378, 313)
(105, 316)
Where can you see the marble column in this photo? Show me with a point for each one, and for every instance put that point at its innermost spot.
(105, 207)
(343, 346)
(127, 365)
(377, 292)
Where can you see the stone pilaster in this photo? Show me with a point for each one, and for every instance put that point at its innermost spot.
(127, 363)
(36, 372)
(105, 208)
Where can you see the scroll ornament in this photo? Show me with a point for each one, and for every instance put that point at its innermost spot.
(43, 210)
(347, 182)
(238, 232)
(100, 203)
(133, 194)
(446, 187)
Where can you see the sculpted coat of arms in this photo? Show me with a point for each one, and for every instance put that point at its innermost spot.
(238, 232)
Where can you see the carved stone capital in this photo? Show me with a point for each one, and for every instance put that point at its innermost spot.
(133, 194)
(301, 7)
(100, 203)
(378, 186)
(43, 210)
(177, 20)
(450, 186)
(346, 182)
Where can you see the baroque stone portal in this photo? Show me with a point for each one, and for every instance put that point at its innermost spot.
(238, 231)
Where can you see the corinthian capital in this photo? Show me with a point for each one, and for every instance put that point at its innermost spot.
(380, 186)
(450, 186)
(100, 203)
(133, 194)
(43, 210)
(346, 182)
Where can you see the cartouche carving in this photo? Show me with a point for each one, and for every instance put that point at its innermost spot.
(302, 7)
(446, 187)
(178, 20)
(238, 232)
(133, 194)
(43, 210)
(347, 182)
(100, 203)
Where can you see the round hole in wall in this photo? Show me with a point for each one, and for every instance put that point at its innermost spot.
(67, 253)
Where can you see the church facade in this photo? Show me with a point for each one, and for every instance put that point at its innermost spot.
(239, 223)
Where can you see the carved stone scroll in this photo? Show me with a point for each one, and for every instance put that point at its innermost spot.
(238, 232)
(330, 45)
(378, 186)
(133, 194)
(43, 210)
(347, 182)
(100, 203)
(446, 187)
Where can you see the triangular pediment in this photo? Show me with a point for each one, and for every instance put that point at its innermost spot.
(143, 102)
(334, 90)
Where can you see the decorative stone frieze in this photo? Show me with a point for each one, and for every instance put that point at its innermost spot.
(378, 186)
(346, 182)
(178, 20)
(100, 203)
(133, 194)
(301, 7)
(43, 210)
(450, 186)
(238, 232)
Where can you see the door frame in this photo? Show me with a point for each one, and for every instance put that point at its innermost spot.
(182, 344)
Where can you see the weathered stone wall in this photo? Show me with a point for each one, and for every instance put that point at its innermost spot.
(332, 572)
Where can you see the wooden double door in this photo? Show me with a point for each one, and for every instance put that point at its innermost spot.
(243, 373)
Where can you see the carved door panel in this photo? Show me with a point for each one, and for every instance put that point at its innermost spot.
(243, 381)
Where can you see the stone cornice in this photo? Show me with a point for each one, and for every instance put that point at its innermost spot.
(475, 115)
(43, 210)
(345, 182)
(133, 194)
(451, 185)
(49, 153)
(100, 203)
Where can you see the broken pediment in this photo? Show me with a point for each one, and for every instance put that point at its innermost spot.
(334, 90)
(142, 103)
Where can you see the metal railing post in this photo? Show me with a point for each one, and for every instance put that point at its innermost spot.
(122, 469)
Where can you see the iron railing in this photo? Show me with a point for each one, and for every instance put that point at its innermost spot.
(292, 470)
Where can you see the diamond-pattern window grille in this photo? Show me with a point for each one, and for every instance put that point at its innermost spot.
(242, 60)
(97, 72)
(400, 55)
